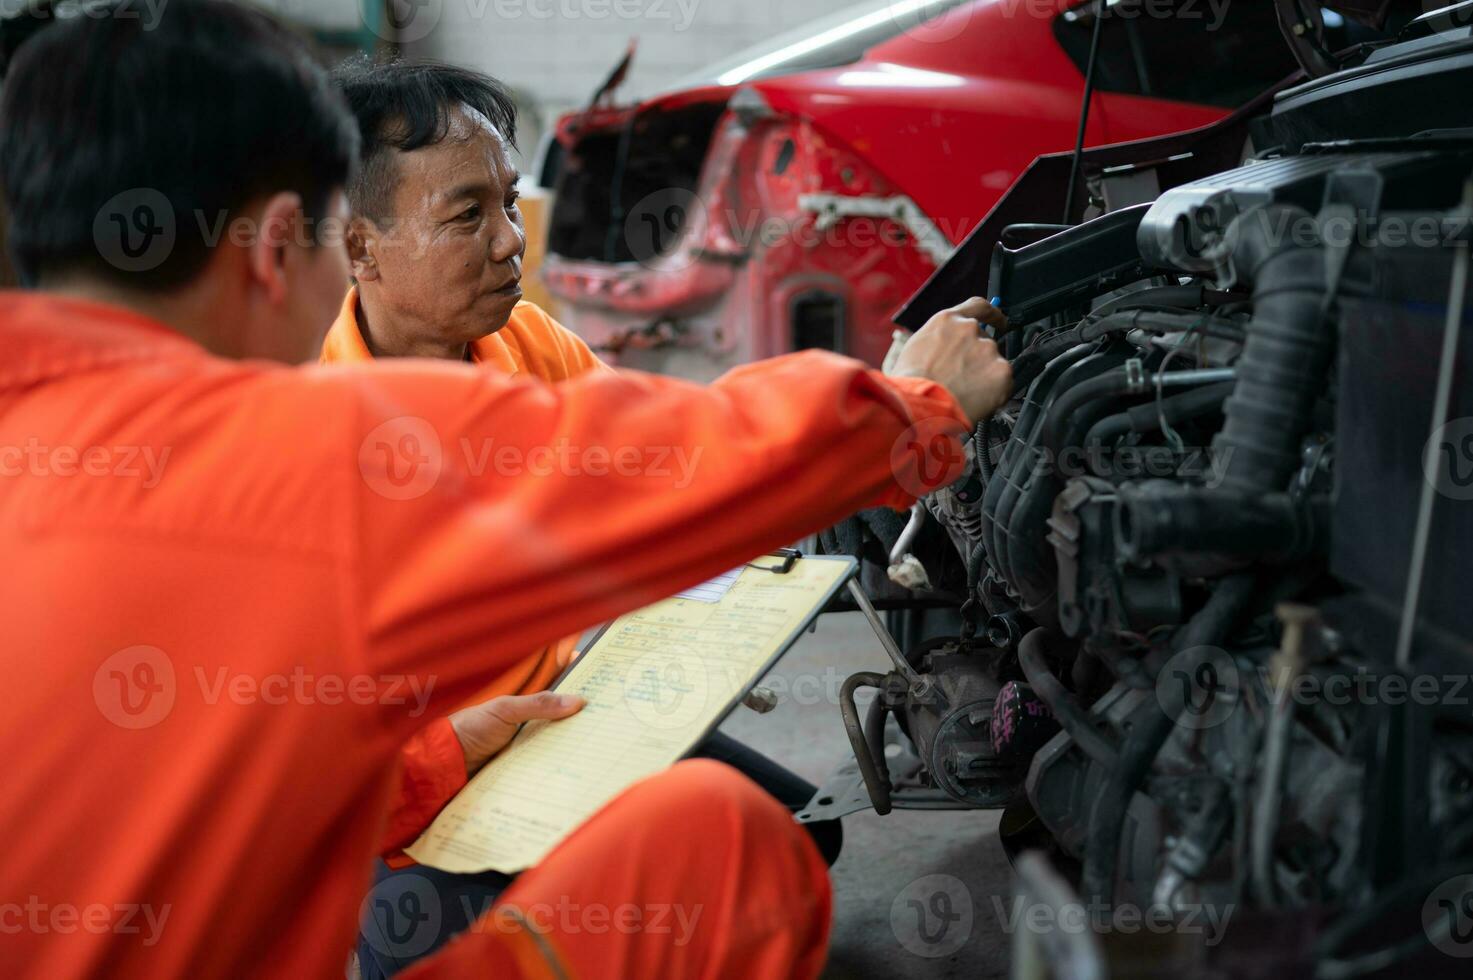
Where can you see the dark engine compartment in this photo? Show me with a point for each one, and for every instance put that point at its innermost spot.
(1203, 623)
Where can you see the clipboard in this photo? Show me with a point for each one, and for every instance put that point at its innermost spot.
(658, 681)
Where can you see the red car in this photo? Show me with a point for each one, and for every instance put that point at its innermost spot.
(795, 195)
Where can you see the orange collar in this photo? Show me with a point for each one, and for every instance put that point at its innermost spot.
(344, 342)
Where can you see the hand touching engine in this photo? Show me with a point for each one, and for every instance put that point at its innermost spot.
(951, 351)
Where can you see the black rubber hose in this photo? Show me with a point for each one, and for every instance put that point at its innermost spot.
(1208, 628)
(1066, 708)
(1034, 401)
(1287, 354)
(1147, 416)
(1018, 474)
(1111, 383)
(1030, 557)
(1157, 517)
(982, 446)
(1157, 297)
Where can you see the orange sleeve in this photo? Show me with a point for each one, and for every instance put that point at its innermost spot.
(525, 512)
(431, 771)
(575, 356)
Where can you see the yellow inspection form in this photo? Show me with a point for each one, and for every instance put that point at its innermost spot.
(657, 681)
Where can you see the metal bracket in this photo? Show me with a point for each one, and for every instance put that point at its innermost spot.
(843, 792)
(832, 208)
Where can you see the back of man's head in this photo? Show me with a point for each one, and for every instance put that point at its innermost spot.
(403, 106)
(130, 135)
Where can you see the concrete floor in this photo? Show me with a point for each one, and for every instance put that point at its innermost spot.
(948, 863)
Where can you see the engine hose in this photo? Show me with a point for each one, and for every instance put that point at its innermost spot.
(974, 578)
(1029, 364)
(1033, 403)
(1287, 353)
(1158, 517)
(982, 447)
(1031, 559)
(1147, 417)
(1066, 708)
(1156, 297)
(1198, 638)
(1090, 379)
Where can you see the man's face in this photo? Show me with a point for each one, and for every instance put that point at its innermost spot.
(448, 260)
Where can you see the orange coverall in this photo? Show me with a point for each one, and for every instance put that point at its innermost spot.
(234, 589)
(531, 344)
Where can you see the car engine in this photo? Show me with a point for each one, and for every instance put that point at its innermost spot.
(1197, 614)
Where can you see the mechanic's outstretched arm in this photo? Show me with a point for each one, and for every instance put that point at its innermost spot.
(525, 512)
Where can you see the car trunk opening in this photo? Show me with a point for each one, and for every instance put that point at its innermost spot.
(608, 172)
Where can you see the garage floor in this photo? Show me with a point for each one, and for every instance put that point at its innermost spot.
(949, 864)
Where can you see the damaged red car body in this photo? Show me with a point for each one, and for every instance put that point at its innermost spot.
(796, 195)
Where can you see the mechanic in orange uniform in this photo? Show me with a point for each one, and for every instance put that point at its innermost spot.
(238, 586)
(436, 273)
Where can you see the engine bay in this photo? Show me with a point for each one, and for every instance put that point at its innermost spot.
(1196, 615)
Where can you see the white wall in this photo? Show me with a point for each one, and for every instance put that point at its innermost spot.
(558, 51)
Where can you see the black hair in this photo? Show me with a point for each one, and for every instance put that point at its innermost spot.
(116, 117)
(403, 106)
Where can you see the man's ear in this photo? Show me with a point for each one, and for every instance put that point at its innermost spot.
(280, 220)
(362, 240)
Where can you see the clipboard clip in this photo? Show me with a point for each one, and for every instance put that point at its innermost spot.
(788, 558)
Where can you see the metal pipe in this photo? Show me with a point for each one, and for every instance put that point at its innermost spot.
(886, 640)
